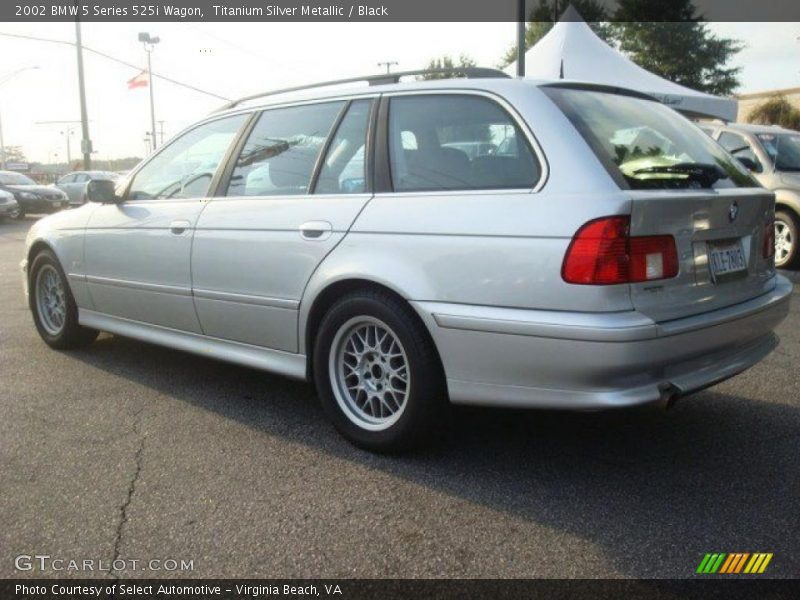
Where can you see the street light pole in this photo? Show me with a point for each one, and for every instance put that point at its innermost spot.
(86, 143)
(149, 44)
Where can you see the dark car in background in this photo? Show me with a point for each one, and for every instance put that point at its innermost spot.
(8, 205)
(30, 196)
(74, 184)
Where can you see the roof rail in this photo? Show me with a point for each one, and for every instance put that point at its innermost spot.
(382, 79)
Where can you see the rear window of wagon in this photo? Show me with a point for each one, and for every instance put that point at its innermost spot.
(644, 144)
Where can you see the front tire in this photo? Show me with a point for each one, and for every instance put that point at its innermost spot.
(55, 313)
(377, 373)
(786, 240)
(17, 214)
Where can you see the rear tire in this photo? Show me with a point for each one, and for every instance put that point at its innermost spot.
(786, 240)
(377, 373)
(55, 313)
(19, 215)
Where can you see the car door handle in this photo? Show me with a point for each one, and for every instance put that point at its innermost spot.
(316, 230)
(179, 227)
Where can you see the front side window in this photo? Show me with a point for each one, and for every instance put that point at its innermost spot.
(783, 149)
(279, 156)
(740, 149)
(457, 142)
(185, 168)
(646, 145)
(67, 179)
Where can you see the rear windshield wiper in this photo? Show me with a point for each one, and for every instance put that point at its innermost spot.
(706, 173)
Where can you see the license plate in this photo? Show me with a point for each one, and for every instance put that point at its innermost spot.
(726, 258)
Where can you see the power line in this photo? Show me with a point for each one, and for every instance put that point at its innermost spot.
(114, 59)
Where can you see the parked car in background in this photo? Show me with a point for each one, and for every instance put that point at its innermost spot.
(772, 155)
(8, 205)
(74, 184)
(30, 196)
(609, 254)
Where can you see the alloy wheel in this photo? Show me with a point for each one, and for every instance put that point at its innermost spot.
(51, 300)
(370, 373)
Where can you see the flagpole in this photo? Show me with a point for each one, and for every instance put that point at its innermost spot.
(149, 43)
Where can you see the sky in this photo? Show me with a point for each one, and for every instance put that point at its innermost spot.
(236, 59)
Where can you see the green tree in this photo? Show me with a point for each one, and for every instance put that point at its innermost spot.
(447, 62)
(777, 110)
(542, 18)
(15, 154)
(668, 38)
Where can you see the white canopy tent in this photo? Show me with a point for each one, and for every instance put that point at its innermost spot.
(571, 50)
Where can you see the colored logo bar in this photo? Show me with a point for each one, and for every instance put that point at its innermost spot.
(734, 563)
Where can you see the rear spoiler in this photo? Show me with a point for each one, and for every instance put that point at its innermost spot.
(598, 87)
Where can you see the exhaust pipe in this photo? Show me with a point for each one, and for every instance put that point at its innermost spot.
(669, 395)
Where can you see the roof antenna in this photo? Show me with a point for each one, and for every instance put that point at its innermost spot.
(561, 71)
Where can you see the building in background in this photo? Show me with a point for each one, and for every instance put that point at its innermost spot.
(748, 102)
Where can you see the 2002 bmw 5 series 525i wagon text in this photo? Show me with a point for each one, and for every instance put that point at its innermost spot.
(485, 240)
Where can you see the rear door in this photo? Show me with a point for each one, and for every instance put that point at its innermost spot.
(294, 188)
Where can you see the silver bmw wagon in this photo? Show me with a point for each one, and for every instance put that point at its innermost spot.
(404, 246)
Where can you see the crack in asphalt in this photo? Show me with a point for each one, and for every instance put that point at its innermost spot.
(123, 510)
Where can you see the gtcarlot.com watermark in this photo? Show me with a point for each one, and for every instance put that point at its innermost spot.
(44, 563)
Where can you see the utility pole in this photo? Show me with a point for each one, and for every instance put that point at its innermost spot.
(388, 64)
(149, 43)
(521, 38)
(2, 148)
(69, 128)
(86, 142)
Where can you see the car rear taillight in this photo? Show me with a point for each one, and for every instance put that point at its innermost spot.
(603, 252)
(768, 250)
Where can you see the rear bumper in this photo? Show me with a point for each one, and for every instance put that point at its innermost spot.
(551, 359)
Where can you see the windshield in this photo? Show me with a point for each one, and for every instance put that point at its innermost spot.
(15, 179)
(783, 149)
(646, 145)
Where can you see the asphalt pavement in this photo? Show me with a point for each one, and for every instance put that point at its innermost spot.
(130, 451)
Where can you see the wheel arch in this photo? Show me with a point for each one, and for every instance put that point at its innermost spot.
(35, 250)
(327, 296)
(37, 247)
(788, 200)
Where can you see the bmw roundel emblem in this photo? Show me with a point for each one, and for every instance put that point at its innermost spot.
(733, 212)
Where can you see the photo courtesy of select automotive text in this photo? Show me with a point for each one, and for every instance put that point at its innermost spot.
(376, 299)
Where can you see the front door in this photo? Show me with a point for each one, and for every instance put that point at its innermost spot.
(296, 187)
(138, 252)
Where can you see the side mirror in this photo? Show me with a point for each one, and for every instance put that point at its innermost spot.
(102, 191)
(749, 164)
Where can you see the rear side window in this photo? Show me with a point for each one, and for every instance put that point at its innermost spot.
(344, 168)
(457, 142)
(646, 145)
(279, 156)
